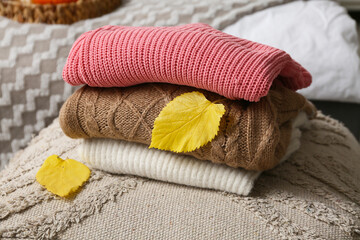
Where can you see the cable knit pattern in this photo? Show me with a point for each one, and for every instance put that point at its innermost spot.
(195, 55)
(117, 156)
(252, 135)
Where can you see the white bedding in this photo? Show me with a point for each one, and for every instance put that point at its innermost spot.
(320, 35)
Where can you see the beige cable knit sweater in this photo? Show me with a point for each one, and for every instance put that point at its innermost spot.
(253, 136)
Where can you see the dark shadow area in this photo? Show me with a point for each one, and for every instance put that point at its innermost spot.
(347, 113)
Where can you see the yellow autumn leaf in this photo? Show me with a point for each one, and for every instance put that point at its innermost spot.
(62, 177)
(186, 123)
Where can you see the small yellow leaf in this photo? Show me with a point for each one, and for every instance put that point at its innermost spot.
(62, 177)
(186, 123)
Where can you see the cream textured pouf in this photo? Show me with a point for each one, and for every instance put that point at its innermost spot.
(313, 195)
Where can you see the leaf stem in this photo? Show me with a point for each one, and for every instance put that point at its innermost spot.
(219, 100)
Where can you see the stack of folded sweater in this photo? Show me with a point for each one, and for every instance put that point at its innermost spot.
(132, 73)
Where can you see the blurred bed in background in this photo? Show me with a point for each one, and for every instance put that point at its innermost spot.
(318, 34)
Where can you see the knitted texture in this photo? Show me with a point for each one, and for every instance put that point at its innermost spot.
(195, 55)
(252, 135)
(122, 157)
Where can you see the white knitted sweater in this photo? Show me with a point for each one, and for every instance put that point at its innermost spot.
(122, 157)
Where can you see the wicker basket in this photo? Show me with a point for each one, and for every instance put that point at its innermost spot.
(66, 13)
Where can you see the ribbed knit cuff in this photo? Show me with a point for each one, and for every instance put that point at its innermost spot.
(117, 156)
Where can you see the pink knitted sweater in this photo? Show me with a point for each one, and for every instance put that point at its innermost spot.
(195, 55)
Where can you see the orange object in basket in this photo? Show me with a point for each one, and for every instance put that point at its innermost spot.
(51, 1)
